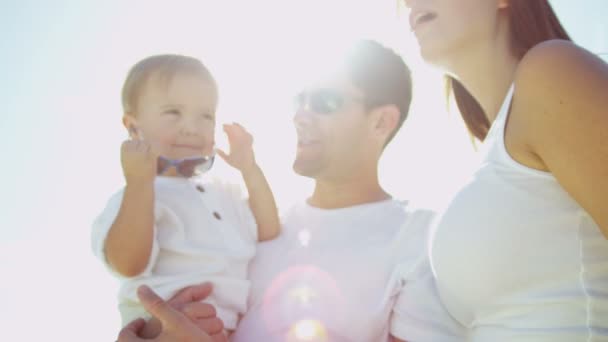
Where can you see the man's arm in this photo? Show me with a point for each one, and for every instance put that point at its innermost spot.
(419, 313)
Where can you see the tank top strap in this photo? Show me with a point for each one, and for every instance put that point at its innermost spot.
(497, 128)
(503, 113)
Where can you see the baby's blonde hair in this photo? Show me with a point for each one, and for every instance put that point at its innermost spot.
(163, 66)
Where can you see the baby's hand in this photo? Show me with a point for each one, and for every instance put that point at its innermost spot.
(138, 161)
(241, 154)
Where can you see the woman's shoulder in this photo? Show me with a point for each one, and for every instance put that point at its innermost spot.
(556, 68)
(554, 48)
(556, 84)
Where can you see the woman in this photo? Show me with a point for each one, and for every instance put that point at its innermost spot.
(521, 252)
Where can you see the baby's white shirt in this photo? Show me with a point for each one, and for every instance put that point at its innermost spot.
(203, 232)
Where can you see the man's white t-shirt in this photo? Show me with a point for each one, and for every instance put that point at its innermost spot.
(334, 275)
(204, 231)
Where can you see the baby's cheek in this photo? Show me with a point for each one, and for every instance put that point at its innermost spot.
(166, 139)
(164, 144)
(209, 146)
(209, 138)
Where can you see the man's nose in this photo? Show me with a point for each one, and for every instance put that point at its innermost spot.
(302, 117)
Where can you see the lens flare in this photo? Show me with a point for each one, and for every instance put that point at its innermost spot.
(308, 330)
(304, 237)
(300, 294)
(303, 294)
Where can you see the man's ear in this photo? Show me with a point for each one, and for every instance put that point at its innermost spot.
(130, 123)
(386, 121)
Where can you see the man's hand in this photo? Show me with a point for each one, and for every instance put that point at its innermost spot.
(241, 155)
(188, 302)
(176, 326)
(138, 161)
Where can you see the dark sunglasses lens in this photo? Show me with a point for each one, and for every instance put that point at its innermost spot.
(187, 167)
(206, 166)
(299, 101)
(161, 165)
(325, 102)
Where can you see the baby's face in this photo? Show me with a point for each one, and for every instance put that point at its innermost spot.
(178, 117)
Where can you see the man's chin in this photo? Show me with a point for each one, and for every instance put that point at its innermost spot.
(305, 169)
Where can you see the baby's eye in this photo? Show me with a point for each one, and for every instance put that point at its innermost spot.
(209, 116)
(171, 112)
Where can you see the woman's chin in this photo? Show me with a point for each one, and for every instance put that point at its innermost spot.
(438, 58)
(430, 54)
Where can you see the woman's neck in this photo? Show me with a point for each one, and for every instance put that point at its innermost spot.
(486, 71)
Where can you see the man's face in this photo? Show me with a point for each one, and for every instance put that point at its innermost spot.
(333, 130)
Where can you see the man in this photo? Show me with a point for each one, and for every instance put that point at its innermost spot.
(335, 273)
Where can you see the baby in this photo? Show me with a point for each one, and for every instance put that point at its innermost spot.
(170, 227)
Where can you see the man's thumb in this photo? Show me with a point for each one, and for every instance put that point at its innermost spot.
(157, 307)
(131, 330)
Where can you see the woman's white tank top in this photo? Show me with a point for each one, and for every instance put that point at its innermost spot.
(516, 258)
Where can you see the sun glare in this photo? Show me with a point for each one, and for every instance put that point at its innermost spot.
(66, 62)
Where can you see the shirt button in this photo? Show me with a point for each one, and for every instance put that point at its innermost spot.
(200, 188)
(217, 215)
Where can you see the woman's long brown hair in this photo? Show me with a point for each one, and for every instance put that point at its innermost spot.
(531, 22)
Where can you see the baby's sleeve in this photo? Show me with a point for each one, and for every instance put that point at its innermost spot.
(418, 314)
(101, 227)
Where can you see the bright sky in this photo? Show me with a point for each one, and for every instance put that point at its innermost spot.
(62, 66)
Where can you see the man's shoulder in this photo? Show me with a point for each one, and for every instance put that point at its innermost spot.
(412, 241)
(418, 220)
(416, 211)
(421, 214)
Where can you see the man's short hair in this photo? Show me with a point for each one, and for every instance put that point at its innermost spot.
(382, 76)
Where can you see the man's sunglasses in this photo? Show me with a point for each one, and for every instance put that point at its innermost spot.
(186, 167)
(322, 101)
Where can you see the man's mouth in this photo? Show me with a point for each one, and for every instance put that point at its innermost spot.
(307, 138)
